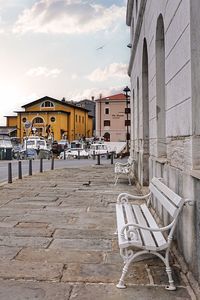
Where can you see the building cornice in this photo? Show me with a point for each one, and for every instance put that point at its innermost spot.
(137, 34)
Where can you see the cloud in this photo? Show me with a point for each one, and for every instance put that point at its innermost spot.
(96, 92)
(74, 76)
(113, 70)
(43, 71)
(69, 17)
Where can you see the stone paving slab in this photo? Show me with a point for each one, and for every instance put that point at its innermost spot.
(59, 256)
(20, 290)
(57, 241)
(136, 292)
(30, 270)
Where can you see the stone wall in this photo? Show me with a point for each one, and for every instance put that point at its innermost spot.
(169, 147)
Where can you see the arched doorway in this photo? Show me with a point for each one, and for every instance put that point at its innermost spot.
(38, 124)
(160, 88)
(107, 137)
(145, 117)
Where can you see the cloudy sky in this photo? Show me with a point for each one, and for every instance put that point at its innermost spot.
(61, 48)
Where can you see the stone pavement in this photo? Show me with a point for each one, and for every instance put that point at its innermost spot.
(57, 242)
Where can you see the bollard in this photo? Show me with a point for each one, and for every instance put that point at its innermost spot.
(93, 155)
(9, 173)
(30, 167)
(78, 154)
(18, 156)
(112, 156)
(52, 163)
(19, 170)
(41, 165)
(107, 155)
(64, 155)
(98, 159)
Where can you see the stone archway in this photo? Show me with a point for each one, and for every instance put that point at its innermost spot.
(144, 164)
(160, 88)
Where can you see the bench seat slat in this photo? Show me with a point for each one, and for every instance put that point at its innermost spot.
(121, 222)
(176, 199)
(160, 240)
(171, 209)
(131, 219)
(146, 235)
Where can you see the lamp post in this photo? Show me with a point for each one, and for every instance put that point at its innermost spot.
(126, 91)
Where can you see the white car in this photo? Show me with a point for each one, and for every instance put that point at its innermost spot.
(74, 153)
(98, 148)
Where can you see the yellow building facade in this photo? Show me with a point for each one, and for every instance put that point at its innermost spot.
(52, 118)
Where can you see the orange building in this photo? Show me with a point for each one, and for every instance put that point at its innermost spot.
(54, 118)
(112, 118)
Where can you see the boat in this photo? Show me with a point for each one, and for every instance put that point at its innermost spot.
(35, 147)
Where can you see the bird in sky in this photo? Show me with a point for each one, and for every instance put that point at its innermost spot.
(101, 47)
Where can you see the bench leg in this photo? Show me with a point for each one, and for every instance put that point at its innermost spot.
(121, 284)
(128, 258)
(171, 286)
(116, 179)
(129, 180)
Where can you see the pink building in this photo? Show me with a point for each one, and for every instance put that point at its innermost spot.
(112, 118)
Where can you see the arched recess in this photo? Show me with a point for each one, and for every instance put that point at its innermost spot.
(145, 115)
(138, 111)
(132, 109)
(107, 136)
(160, 88)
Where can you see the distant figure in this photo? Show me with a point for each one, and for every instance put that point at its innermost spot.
(87, 184)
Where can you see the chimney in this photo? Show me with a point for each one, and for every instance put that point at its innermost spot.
(92, 98)
(63, 99)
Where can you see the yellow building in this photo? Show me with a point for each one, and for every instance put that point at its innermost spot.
(54, 118)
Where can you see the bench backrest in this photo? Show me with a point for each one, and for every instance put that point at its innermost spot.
(171, 202)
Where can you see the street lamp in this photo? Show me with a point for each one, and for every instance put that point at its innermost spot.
(126, 91)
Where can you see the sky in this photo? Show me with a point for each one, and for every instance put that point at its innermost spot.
(61, 48)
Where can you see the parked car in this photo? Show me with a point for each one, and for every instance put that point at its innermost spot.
(74, 153)
(28, 153)
(98, 148)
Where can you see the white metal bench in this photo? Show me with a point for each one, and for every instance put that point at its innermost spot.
(124, 169)
(137, 226)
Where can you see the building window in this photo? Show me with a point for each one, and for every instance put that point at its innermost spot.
(53, 119)
(38, 120)
(106, 102)
(76, 118)
(82, 119)
(24, 120)
(107, 111)
(106, 122)
(47, 104)
(79, 119)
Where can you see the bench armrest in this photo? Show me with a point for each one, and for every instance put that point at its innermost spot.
(189, 202)
(138, 226)
(125, 197)
(121, 164)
